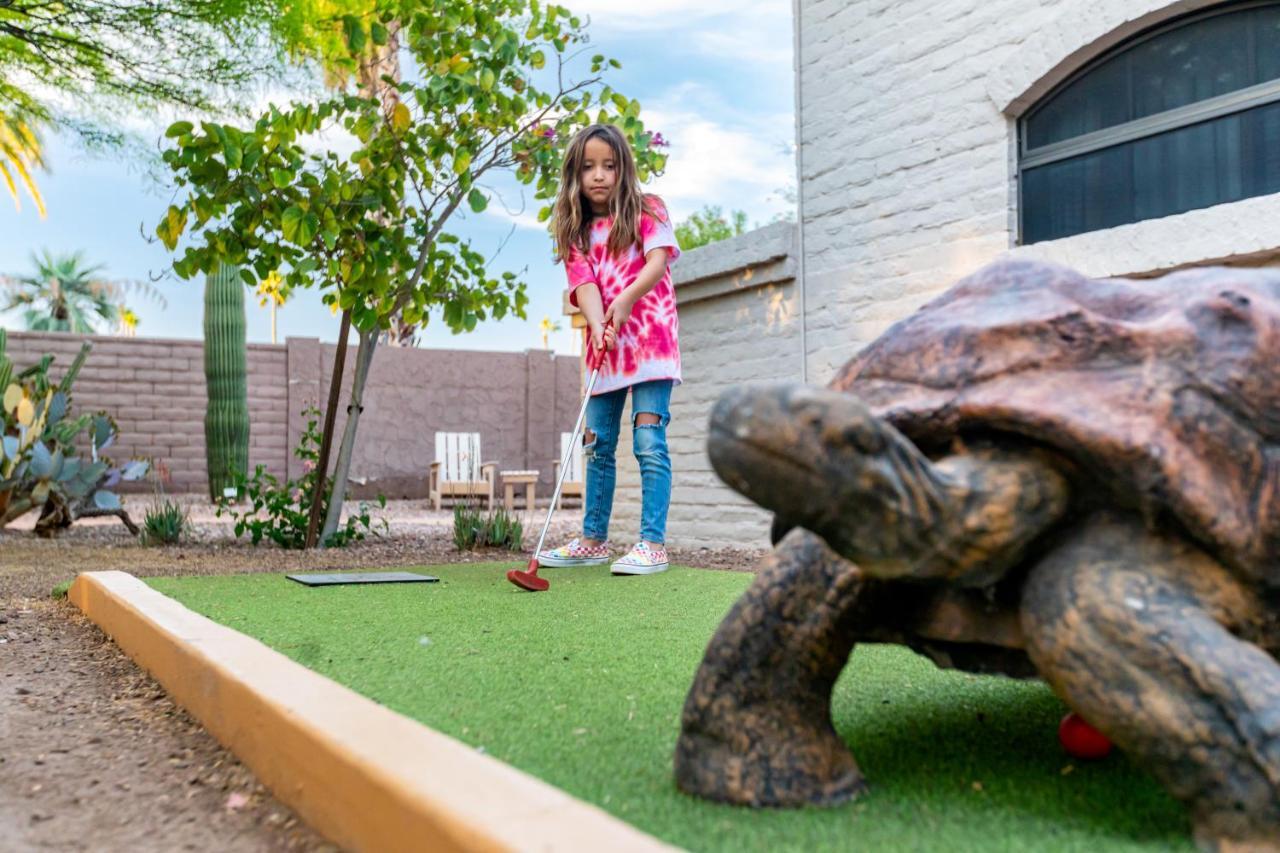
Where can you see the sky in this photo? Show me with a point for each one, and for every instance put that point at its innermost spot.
(715, 80)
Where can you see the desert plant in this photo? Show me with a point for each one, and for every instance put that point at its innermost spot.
(279, 511)
(39, 465)
(165, 523)
(466, 526)
(85, 490)
(498, 529)
(226, 420)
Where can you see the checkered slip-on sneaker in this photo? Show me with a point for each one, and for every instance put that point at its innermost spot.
(642, 560)
(574, 554)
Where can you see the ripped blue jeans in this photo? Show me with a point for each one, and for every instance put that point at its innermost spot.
(604, 417)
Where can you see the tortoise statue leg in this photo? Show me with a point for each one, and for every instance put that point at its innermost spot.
(756, 728)
(1148, 639)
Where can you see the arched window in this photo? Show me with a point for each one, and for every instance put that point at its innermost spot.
(1181, 117)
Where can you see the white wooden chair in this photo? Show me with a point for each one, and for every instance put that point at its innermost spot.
(575, 480)
(458, 471)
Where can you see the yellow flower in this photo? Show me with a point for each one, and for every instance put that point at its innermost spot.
(269, 290)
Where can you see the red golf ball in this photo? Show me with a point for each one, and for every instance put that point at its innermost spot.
(1082, 740)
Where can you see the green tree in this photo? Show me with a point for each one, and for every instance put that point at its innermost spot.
(96, 60)
(370, 229)
(142, 53)
(710, 225)
(65, 295)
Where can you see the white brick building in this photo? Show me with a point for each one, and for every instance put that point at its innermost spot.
(1119, 137)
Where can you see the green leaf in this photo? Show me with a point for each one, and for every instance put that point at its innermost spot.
(487, 80)
(400, 118)
(461, 161)
(232, 153)
(171, 227)
(307, 228)
(477, 200)
(290, 221)
(178, 128)
(378, 33)
(545, 213)
(354, 33)
(281, 178)
(247, 277)
(538, 59)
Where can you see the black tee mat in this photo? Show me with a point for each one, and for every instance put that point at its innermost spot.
(342, 578)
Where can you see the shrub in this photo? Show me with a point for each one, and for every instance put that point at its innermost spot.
(165, 523)
(498, 529)
(279, 511)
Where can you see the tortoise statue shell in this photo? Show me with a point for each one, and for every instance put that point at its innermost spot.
(1036, 474)
(1169, 385)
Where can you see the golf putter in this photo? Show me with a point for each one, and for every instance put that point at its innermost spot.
(528, 578)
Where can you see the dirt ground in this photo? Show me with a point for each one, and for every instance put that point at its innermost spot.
(94, 755)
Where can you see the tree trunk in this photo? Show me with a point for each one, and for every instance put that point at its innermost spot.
(326, 436)
(364, 358)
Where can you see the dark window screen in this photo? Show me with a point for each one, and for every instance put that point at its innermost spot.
(1170, 170)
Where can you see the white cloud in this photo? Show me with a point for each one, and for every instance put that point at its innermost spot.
(736, 165)
(527, 219)
(752, 42)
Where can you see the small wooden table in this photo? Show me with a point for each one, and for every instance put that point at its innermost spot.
(511, 479)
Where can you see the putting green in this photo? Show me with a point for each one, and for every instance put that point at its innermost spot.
(582, 687)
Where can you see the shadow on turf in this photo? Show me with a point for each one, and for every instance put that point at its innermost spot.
(932, 749)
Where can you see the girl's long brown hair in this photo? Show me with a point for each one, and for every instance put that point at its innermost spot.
(572, 216)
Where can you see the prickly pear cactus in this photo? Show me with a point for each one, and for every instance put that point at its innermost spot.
(226, 421)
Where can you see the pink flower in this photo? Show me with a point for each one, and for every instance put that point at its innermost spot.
(658, 142)
(308, 466)
(549, 133)
(297, 496)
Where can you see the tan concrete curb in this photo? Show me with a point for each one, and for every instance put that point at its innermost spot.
(360, 774)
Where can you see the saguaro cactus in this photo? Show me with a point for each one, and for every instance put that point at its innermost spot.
(226, 421)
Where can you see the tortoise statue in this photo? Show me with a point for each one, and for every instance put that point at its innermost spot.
(1037, 475)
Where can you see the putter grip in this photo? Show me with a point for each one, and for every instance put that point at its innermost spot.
(595, 357)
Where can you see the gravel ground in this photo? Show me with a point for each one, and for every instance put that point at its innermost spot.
(93, 754)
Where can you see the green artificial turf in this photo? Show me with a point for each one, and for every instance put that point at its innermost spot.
(582, 686)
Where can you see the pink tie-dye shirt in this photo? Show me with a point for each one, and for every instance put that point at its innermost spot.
(648, 346)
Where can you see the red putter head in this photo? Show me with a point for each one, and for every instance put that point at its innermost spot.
(529, 579)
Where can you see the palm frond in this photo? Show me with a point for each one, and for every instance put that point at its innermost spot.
(20, 153)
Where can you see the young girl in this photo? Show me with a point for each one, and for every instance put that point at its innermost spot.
(616, 244)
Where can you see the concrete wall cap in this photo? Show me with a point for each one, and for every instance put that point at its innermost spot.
(770, 243)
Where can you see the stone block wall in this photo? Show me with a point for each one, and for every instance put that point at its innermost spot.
(518, 402)
(155, 390)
